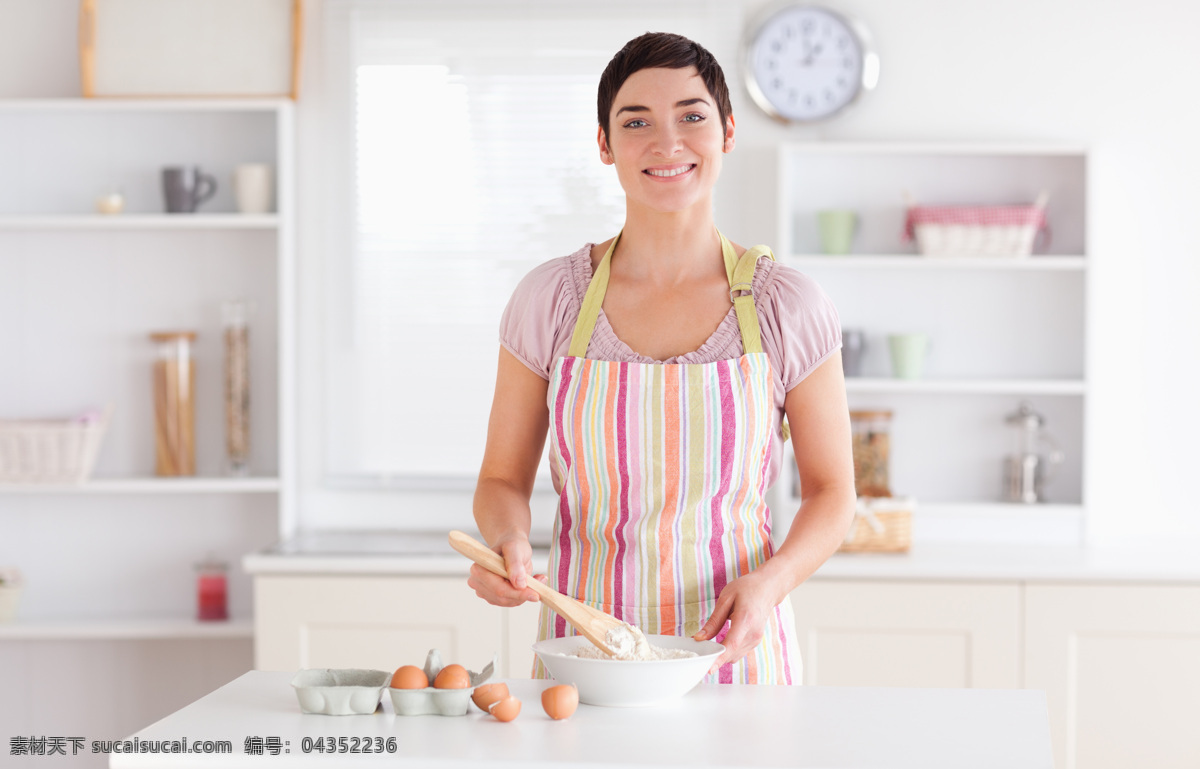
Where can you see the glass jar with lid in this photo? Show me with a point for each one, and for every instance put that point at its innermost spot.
(174, 403)
(235, 320)
(870, 434)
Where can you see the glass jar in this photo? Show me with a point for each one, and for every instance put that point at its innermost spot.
(871, 442)
(234, 317)
(212, 590)
(174, 403)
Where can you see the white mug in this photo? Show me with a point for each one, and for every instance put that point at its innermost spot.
(253, 188)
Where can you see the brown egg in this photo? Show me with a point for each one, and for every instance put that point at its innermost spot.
(452, 677)
(489, 694)
(506, 709)
(409, 677)
(560, 701)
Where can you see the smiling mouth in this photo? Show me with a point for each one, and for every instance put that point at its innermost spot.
(669, 172)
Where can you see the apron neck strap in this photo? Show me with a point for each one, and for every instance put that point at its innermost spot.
(741, 277)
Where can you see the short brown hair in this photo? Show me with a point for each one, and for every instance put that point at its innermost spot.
(661, 49)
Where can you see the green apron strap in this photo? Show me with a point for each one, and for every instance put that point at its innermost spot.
(741, 291)
(741, 277)
(589, 311)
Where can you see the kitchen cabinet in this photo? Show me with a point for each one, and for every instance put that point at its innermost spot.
(1001, 330)
(909, 634)
(1118, 662)
(1120, 666)
(384, 622)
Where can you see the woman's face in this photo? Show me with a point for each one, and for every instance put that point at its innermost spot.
(666, 139)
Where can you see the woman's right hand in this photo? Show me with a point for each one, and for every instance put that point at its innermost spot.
(513, 591)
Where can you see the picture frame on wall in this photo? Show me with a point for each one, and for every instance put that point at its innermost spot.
(190, 48)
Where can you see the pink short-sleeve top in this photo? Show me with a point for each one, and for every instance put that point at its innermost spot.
(799, 326)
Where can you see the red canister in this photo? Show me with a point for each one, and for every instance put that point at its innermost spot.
(212, 592)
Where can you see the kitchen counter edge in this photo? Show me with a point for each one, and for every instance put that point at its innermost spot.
(951, 562)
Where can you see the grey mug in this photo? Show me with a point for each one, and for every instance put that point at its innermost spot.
(185, 188)
(854, 342)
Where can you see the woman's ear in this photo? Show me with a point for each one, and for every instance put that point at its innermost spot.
(605, 153)
(729, 142)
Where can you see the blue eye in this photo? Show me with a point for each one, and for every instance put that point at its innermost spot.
(693, 117)
(635, 123)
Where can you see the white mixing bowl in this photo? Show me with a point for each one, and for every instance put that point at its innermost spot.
(628, 683)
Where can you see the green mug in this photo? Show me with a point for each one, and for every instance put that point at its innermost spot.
(837, 228)
(908, 354)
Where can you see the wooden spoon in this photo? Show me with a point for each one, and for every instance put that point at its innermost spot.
(592, 624)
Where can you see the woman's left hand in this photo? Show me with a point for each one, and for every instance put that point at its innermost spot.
(746, 603)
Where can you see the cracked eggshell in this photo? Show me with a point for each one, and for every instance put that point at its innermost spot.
(487, 695)
(433, 701)
(506, 709)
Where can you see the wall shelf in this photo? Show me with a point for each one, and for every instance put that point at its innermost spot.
(966, 386)
(917, 262)
(198, 104)
(139, 222)
(123, 628)
(263, 485)
(975, 509)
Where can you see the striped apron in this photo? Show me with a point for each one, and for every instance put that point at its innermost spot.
(661, 471)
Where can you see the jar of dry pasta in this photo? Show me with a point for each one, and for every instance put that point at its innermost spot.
(174, 403)
(871, 441)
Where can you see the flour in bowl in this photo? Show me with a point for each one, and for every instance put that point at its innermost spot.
(629, 643)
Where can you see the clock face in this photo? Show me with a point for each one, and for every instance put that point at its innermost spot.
(806, 63)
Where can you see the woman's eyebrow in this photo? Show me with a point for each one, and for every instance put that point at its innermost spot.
(684, 103)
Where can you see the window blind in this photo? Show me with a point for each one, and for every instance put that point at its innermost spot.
(472, 153)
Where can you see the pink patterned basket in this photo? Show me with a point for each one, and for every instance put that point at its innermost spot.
(977, 230)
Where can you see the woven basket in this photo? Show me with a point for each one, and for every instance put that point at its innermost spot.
(881, 525)
(50, 451)
(998, 231)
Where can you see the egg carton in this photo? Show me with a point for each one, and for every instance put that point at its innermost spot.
(441, 702)
(340, 692)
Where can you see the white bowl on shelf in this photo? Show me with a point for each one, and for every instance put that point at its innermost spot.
(628, 683)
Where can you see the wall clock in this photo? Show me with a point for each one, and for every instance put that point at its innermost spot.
(806, 63)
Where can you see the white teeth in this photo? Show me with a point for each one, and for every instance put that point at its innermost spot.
(673, 172)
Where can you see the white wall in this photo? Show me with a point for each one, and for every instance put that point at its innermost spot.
(1113, 76)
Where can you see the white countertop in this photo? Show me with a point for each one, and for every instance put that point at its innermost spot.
(427, 553)
(713, 725)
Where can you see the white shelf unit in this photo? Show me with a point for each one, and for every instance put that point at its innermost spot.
(1001, 330)
(110, 558)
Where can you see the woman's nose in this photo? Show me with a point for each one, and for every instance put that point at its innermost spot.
(667, 141)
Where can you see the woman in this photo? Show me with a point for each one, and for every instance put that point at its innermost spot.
(664, 397)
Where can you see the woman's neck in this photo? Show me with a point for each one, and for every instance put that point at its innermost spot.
(669, 248)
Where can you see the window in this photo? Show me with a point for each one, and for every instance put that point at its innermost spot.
(471, 159)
